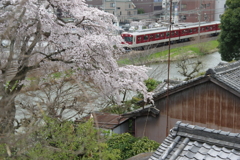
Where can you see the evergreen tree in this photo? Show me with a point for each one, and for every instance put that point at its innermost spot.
(229, 46)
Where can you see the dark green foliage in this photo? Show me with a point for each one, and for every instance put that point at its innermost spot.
(144, 145)
(151, 84)
(57, 140)
(127, 106)
(229, 40)
(140, 11)
(63, 140)
(131, 146)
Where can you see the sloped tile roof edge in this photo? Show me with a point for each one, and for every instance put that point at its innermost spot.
(149, 109)
(195, 133)
(212, 74)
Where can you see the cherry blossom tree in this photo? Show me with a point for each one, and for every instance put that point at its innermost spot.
(57, 36)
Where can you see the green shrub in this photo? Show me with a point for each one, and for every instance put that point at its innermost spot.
(131, 146)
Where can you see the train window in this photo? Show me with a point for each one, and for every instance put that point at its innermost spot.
(157, 36)
(203, 28)
(190, 30)
(128, 39)
(194, 30)
(167, 34)
(162, 35)
(139, 38)
(176, 32)
(210, 28)
(172, 34)
(151, 37)
(145, 38)
(207, 28)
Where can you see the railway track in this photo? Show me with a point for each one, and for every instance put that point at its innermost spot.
(163, 48)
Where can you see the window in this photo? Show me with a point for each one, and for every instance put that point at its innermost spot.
(207, 28)
(145, 38)
(139, 39)
(151, 37)
(167, 34)
(128, 39)
(183, 6)
(203, 5)
(157, 8)
(194, 30)
(112, 5)
(190, 30)
(157, 36)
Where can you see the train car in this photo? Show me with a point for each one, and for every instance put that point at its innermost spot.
(146, 38)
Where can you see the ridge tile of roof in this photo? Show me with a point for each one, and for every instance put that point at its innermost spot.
(187, 142)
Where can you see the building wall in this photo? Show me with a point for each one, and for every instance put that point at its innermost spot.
(95, 3)
(124, 10)
(122, 128)
(189, 10)
(219, 9)
(206, 105)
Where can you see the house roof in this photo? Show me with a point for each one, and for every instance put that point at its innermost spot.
(186, 142)
(105, 120)
(148, 110)
(226, 75)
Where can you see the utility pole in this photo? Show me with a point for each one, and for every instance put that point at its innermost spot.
(115, 11)
(199, 20)
(168, 75)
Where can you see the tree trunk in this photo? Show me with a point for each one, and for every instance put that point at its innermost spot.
(7, 114)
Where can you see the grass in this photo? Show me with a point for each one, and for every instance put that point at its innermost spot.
(191, 51)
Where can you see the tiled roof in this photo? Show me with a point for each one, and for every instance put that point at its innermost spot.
(147, 110)
(190, 142)
(227, 74)
(105, 120)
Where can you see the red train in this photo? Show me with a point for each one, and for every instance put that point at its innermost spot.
(146, 38)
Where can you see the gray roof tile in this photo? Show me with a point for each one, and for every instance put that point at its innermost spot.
(223, 155)
(233, 156)
(199, 155)
(209, 157)
(199, 144)
(203, 150)
(213, 153)
(224, 133)
(216, 148)
(233, 134)
(236, 152)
